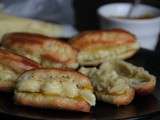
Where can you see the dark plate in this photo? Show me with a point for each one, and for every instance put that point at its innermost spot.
(140, 107)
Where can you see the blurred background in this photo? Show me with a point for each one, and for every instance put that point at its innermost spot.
(86, 15)
(80, 15)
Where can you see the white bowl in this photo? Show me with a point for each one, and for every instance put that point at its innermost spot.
(146, 30)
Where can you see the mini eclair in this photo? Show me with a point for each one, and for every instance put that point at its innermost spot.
(50, 52)
(95, 47)
(56, 89)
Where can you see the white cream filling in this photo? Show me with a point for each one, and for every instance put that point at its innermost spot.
(88, 96)
(65, 88)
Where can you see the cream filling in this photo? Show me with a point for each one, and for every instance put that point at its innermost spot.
(55, 87)
(106, 79)
(105, 53)
(116, 77)
(88, 96)
(6, 73)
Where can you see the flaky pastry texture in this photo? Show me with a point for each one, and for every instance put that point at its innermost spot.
(98, 46)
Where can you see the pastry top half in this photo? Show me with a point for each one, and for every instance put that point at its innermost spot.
(11, 66)
(72, 89)
(16, 62)
(98, 46)
(116, 81)
(50, 52)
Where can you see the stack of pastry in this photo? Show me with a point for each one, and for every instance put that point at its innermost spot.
(114, 80)
(52, 82)
(46, 72)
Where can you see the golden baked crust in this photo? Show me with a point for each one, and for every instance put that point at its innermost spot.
(118, 100)
(16, 62)
(109, 37)
(55, 88)
(97, 46)
(50, 52)
(7, 85)
(117, 81)
(11, 66)
(53, 102)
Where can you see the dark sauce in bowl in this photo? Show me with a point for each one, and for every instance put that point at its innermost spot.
(146, 16)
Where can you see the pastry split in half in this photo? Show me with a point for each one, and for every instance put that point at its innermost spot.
(50, 52)
(138, 78)
(117, 81)
(11, 66)
(96, 47)
(55, 88)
